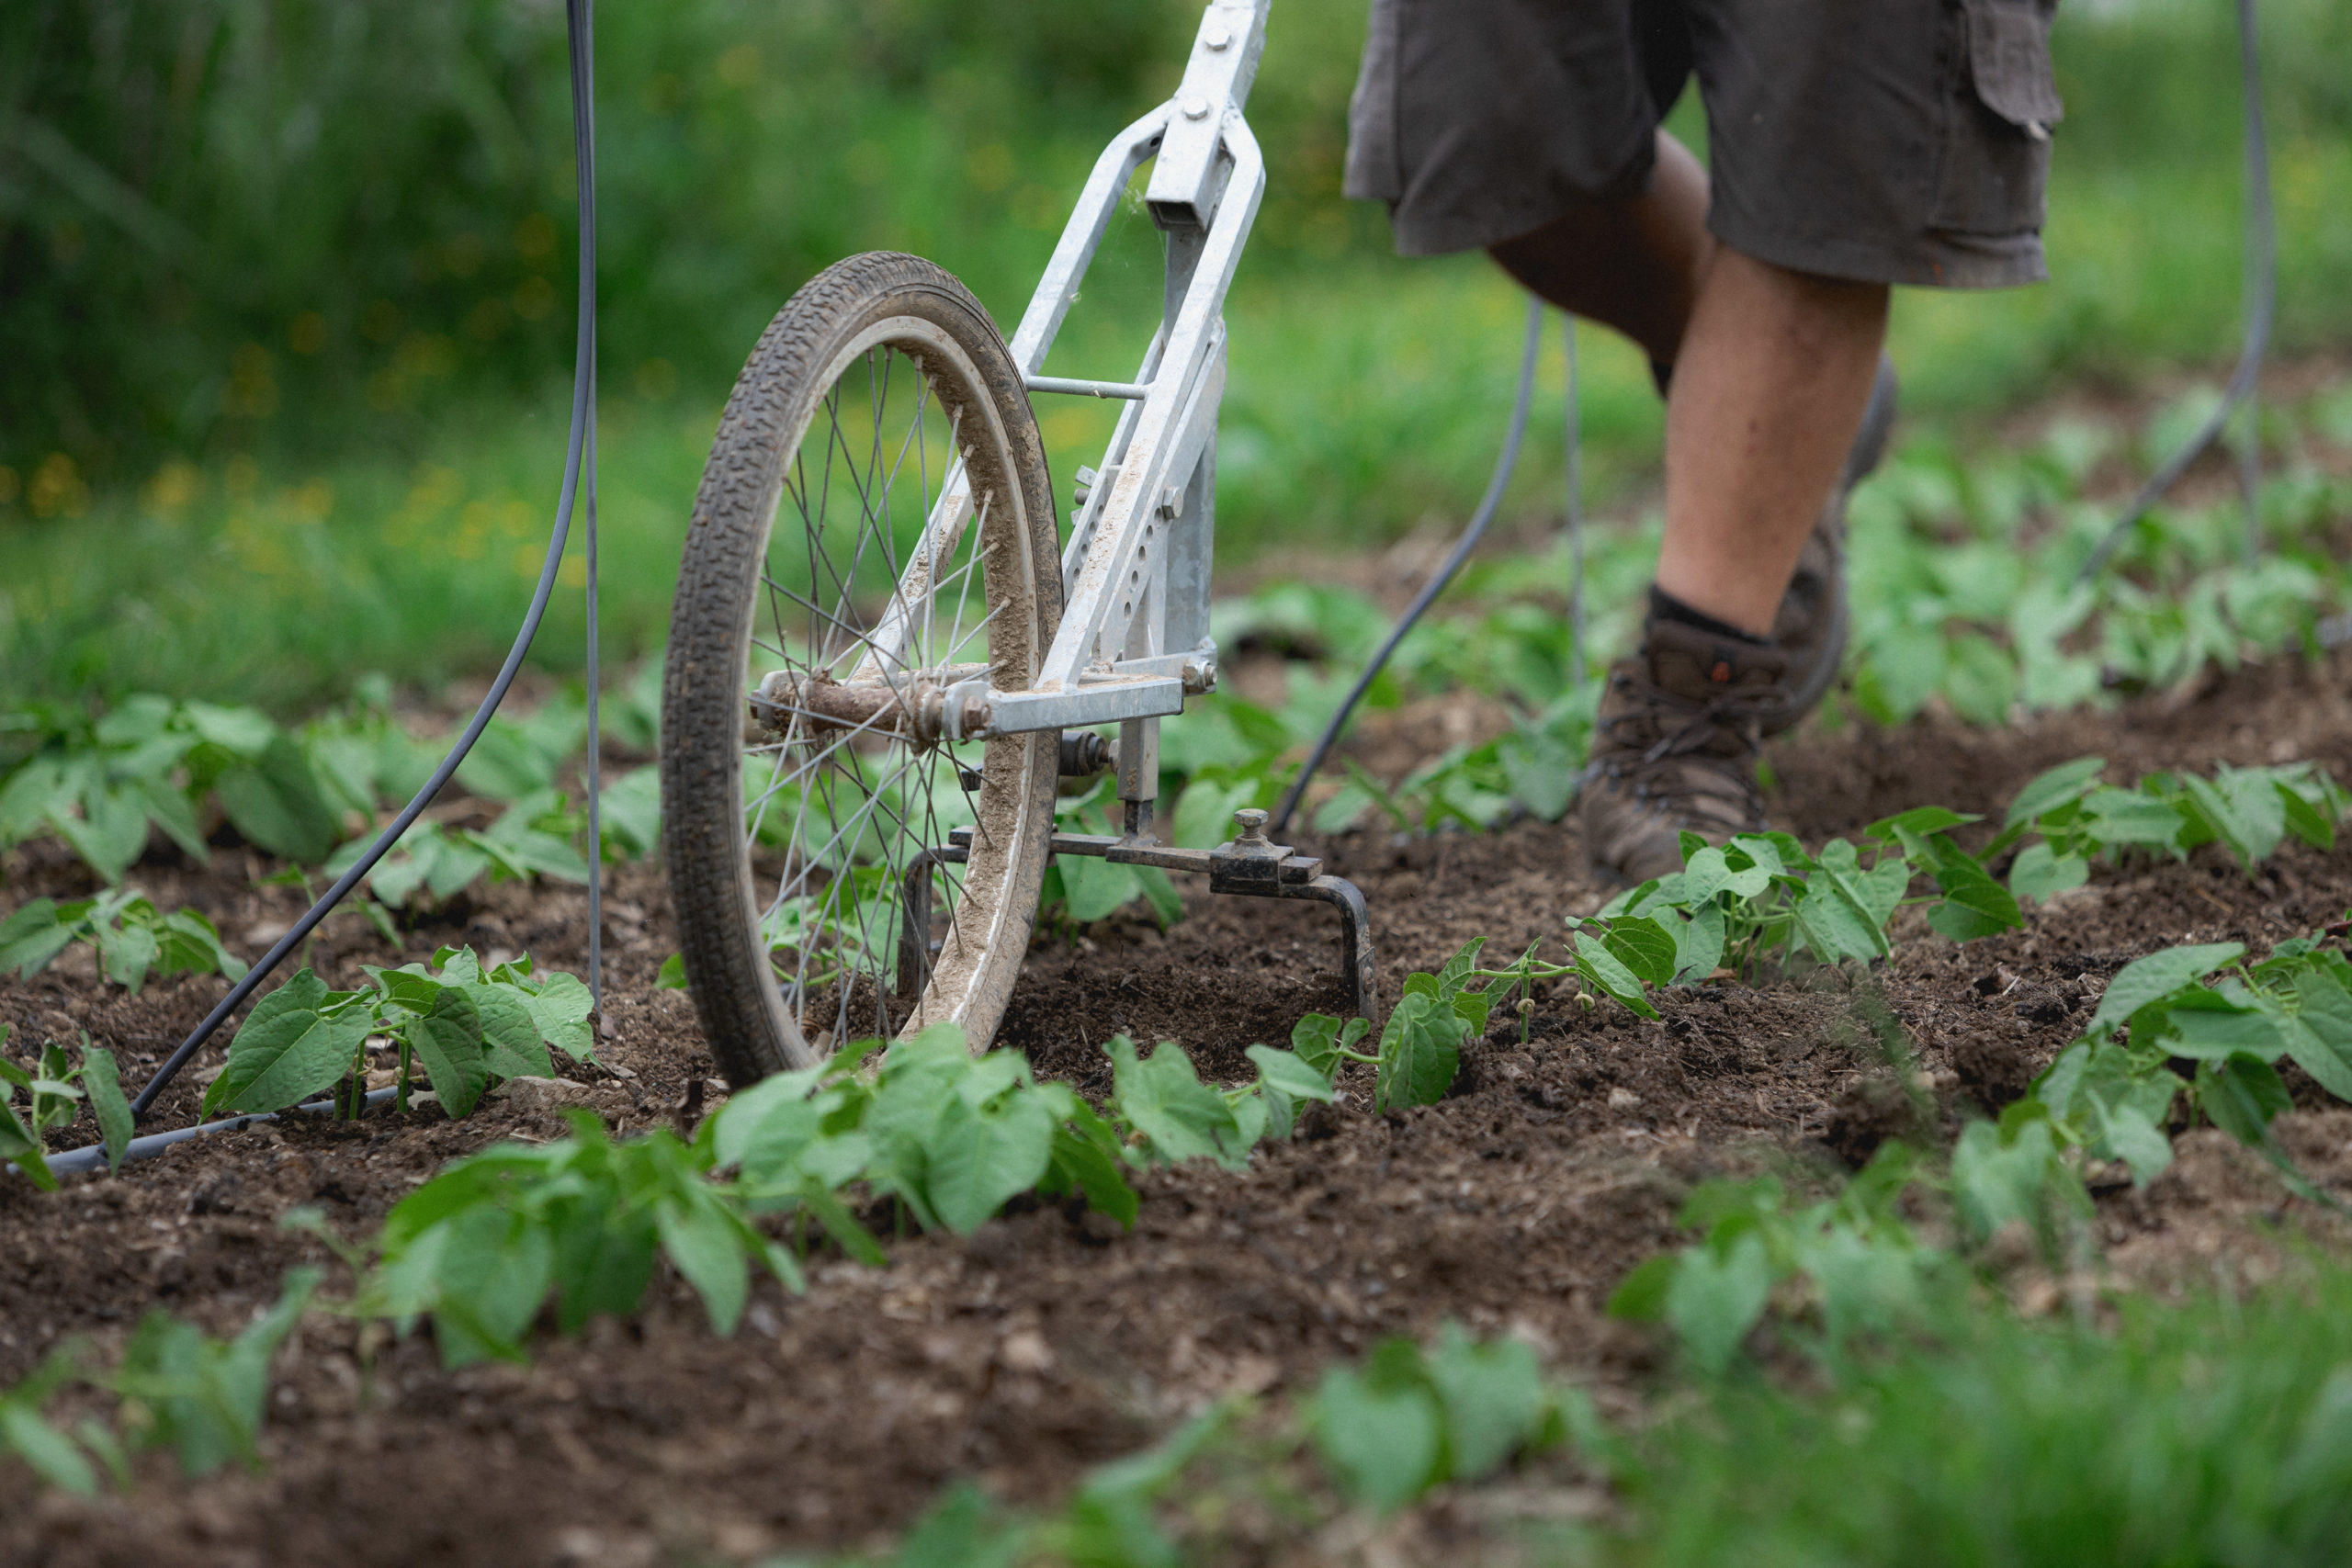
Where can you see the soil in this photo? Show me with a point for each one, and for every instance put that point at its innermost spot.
(1049, 1341)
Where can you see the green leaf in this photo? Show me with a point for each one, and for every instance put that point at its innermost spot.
(242, 732)
(504, 764)
(2121, 816)
(101, 1079)
(1167, 904)
(1542, 770)
(126, 952)
(32, 937)
(2206, 1026)
(1203, 815)
(1382, 1445)
(289, 1049)
(1600, 967)
(1743, 868)
(2131, 1137)
(851, 1238)
(510, 1031)
(22, 1146)
(673, 977)
(48, 1452)
(191, 945)
(1918, 822)
(198, 1396)
(1996, 1178)
(1420, 1051)
(982, 1155)
(1286, 1079)
(2046, 791)
(1093, 889)
(561, 1005)
(1846, 906)
(1458, 970)
(2242, 1096)
(2144, 980)
(2250, 834)
(169, 810)
(631, 814)
(1640, 1296)
(1980, 679)
(491, 1268)
(2318, 1030)
(1712, 1301)
(961, 1532)
(447, 1040)
(1318, 1039)
(275, 801)
(1492, 1396)
(1162, 1096)
(2303, 819)
(1086, 1157)
(1832, 926)
(705, 1244)
(111, 830)
(2037, 873)
(1974, 905)
(1899, 673)
(1643, 947)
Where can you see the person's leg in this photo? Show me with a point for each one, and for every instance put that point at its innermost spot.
(1771, 369)
(1768, 388)
(1635, 265)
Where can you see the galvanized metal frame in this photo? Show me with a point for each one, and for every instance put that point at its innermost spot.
(1135, 573)
(1134, 641)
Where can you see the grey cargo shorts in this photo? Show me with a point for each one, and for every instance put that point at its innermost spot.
(1887, 140)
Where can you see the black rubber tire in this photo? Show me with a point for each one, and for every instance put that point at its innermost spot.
(706, 678)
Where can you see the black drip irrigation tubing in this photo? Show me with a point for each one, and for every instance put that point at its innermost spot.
(1505, 463)
(73, 1162)
(579, 456)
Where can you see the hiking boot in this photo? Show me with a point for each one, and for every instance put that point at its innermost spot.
(1675, 747)
(1810, 626)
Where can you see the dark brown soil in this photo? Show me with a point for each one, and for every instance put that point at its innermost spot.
(1048, 1341)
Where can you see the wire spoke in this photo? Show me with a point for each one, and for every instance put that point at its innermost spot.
(838, 814)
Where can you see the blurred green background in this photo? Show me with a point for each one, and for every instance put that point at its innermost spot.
(289, 290)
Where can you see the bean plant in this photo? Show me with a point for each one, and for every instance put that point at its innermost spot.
(135, 940)
(53, 1088)
(467, 1027)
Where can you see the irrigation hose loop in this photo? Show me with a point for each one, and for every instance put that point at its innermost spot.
(1573, 465)
(577, 24)
(2262, 299)
(1505, 463)
(584, 132)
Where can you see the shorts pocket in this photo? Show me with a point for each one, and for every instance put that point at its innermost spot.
(1996, 139)
(1375, 168)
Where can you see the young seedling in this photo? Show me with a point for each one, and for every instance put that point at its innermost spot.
(135, 940)
(54, 1089)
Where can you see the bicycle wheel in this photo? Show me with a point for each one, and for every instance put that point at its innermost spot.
(833, 593)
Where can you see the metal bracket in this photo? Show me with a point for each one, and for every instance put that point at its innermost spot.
(1247, 864)
(1186, 182)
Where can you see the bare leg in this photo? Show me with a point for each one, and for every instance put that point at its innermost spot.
(1769, 390)
(1635, 265)
(1772, 369)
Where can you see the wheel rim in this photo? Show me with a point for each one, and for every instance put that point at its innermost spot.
(868, 584)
